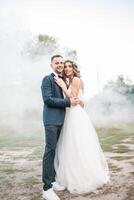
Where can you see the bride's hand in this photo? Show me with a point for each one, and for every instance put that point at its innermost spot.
(60, 82)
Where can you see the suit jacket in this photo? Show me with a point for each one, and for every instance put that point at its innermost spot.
(54, 102)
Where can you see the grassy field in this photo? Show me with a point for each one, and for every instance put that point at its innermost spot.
(108, 138)
(21, 155)
(116, 140)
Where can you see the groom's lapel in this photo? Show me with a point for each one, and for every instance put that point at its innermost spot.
(52, 74)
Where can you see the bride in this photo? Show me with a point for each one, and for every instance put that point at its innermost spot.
(80, 164)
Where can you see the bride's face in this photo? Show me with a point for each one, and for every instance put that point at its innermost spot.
(68, 69)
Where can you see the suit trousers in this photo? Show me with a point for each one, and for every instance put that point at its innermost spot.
(52, 133)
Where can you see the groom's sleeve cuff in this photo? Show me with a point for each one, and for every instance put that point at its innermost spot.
(68, 102)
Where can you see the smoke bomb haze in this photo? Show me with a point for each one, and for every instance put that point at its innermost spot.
(21, 73)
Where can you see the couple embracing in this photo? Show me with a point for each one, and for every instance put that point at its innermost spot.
(73, 158)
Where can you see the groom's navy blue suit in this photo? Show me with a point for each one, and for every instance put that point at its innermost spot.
(53, 118)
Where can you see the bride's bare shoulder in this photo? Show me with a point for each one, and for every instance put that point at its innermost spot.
(76, 80)
(78, 83)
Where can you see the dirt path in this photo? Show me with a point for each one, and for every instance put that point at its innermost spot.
(20, 176)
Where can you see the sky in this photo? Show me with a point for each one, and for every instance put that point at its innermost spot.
(102, 32)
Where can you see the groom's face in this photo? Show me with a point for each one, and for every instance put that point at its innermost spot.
(57, 64)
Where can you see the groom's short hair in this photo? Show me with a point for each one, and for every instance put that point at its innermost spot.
(55, 56)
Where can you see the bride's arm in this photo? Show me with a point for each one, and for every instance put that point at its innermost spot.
(74, 87)
(63, 86)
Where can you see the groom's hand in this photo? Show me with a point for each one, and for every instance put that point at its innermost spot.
(81, 104)
(75, 101)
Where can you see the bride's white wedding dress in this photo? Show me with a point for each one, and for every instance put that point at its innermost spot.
(80, 164)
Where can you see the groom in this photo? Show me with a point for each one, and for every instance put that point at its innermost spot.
(53, 119)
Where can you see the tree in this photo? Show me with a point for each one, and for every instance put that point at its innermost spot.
(40, 45)
(47, 43)
(122, 86)
(44, 45)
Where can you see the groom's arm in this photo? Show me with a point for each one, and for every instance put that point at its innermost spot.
(47, 95)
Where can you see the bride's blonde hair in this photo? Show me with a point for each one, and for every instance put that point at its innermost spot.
(75, 68)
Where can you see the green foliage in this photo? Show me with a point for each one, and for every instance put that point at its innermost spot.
(40, 45)
(122, 86)
(48, 41)
(46, 44)
(46, 38)
(43, 45)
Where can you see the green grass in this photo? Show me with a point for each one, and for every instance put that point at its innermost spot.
(30, 147)
(119, 158)
(31, 181)
(36, 155)
(121, 149)
(114, 168)
(36, 198)
(14, 141)
(10, 169)
(110, 137)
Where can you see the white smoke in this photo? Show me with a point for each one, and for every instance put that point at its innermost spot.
(110, 109)
(23, 66)
(20, 80)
